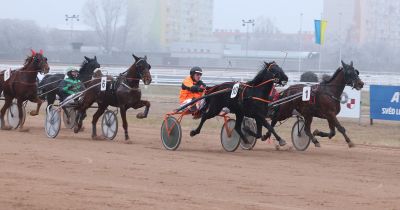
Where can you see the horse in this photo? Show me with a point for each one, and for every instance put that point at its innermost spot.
(124, 94)
(49, 84)
(325, 103)
(251, 101)
(22, 85)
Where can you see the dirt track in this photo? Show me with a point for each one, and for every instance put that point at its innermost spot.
(73, 172)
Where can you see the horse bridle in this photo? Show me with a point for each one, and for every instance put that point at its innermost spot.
(276, 80)
(347, 74)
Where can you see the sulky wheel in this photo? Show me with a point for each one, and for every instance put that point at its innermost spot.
(248, 123)
(230, 139)
(13, 115)
(171, 133)
(109, 125)
(69, 117)
(300, 139)
(52, 122)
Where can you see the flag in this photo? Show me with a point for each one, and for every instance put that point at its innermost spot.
(320, 27)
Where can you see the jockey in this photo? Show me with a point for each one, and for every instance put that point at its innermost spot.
(192, 88)
(70, 85)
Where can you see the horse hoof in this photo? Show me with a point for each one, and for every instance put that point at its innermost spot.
(23, 130)
(282, 143)
(33, 113)
(140, 116)
(6, 128)
(316, 132)
(76, 130)
(351, 144)
(97, 138)
(317, 144)
(193, 133)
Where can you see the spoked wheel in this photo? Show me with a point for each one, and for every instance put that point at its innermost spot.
(171, 133)
(52, 123)
(300, 139)
(13, 115)
(109, 125)
(69, 117)
(248, 123)
(230, 139)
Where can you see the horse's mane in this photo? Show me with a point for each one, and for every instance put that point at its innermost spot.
(259, 75)
(326, 81)
(28, 60)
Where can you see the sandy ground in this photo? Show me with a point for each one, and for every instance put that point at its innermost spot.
(74, 172)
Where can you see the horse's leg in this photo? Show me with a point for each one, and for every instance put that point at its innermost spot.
(259, 130)
(238, 127)
(268, 134)
(272, 130)
(7, 104)
(39, 102)
(124, 121)
(141, 104)
(21, 116)
(212, 112)
(331, 134)
(80, 116)
(96, 117)
(307, 129)
(341, 129)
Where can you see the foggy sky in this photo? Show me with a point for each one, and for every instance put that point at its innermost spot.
(227, 13)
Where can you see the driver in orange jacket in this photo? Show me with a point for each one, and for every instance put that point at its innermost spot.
(192, 88)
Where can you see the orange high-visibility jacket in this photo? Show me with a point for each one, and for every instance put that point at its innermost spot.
(190, 89)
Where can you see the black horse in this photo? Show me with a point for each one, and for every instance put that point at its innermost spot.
(325, 103)
(50, 83)
(251, 101)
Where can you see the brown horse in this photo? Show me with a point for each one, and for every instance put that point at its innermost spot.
(325, 103)
(22, 85)
(123, 93)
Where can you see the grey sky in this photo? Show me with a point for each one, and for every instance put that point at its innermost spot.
(227, 13)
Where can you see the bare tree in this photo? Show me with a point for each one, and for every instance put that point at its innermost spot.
(105, 16)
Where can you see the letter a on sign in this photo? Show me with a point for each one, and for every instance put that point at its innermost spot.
(306, 93)
(7, 74)
(103, 84)
(395, 98)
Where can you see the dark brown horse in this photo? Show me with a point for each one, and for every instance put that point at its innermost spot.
(325, 103)
(22, 85)
(123, 93)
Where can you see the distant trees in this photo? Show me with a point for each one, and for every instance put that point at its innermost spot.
(309, 77)
(105, 17)
(18, 36)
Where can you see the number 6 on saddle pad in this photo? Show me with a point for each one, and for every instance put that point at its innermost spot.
(235, 90)
(103, 84)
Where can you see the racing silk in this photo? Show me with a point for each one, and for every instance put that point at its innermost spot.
(274, 94)
(70, 86)
(190, 89)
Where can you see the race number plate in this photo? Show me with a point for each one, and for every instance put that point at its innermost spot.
(7, 74)
(235, 90)
(306, 93)
(103, 84)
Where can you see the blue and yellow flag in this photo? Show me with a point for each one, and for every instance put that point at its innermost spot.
(320, 27)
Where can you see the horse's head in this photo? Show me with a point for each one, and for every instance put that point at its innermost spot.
(89, 65)
(351, 76)
(142, 69)
(278, 74)
(39, 62)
